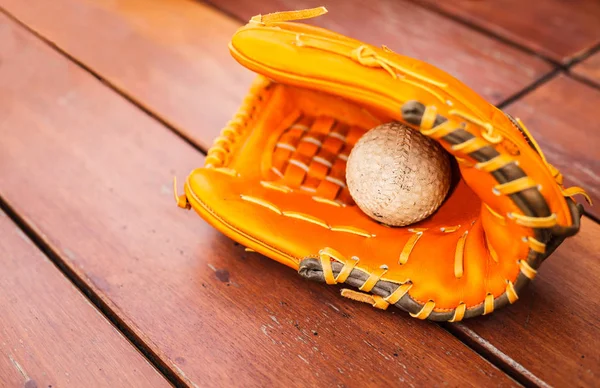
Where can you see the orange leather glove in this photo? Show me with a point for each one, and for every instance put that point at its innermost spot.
(274, 180)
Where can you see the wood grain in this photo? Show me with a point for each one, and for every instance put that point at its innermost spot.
(51, 335)
(172, 57)
(554, 329)
(561, 30)
(563, 116)
(91, 174)
(589, 69)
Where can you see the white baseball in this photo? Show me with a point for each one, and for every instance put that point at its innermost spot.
(396, 175)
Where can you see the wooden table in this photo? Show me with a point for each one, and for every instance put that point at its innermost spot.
(103, 282)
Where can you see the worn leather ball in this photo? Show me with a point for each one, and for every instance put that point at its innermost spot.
(396, 175)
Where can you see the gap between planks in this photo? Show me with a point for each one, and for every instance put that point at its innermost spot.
(223, 11)
(462, 333)
(492, 354)
(583, 56)
(530, 88)
(121, 92)
(584, 80)
(482, 30)
(581, 78)
(46, 248)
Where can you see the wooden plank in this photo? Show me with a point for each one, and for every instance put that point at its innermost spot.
(554, 329)
(561, 30)
(51, 334)
(91, 174)
(169, 56)
(589, 69)
(172, 56)
(562, 116)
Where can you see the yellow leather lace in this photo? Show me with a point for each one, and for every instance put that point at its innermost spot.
(286, 16)
(218, 154)
(558, 177)
(367, 57)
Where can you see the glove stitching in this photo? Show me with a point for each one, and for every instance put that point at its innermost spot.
(306, 217)
(217, 155)
(293, 257)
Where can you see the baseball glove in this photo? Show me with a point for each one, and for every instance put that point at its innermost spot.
(274, 180)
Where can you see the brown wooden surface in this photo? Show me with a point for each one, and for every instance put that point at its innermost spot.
(91, 174)
(561, 30)
(553, 330)
(562, 116)
(50, 335)
(172, 56)
(589, 69)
